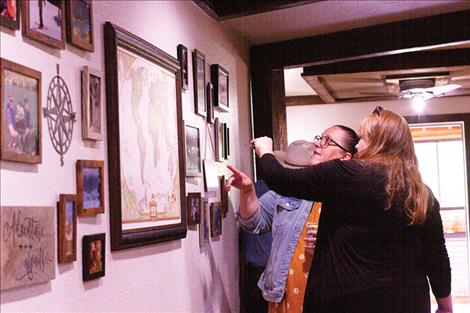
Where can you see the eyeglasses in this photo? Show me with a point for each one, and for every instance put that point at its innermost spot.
(325, 141)
(378, 110)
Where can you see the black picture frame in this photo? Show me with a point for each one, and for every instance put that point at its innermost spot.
(210, 103)
(220, 80)
(138, 230)
(199, 76)
(11, 18)
(182, 52)
(93, 256)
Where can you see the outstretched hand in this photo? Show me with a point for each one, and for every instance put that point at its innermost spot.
(238, 180)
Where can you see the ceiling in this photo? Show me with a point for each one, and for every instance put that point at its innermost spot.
(261, 22)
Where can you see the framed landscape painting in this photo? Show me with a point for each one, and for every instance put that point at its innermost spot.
(67, 230)
(93, 256)
(220, 80)
(146, 151)
(79, 24)
(44, 21)
(20, 133)
(10, 13)
(193, 151)
(90, 187)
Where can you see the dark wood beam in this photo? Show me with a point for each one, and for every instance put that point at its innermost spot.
(379, 40)
(404, 61)
(303, 100)
(319, 85)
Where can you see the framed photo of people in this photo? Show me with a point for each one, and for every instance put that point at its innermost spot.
(220, 80)
(183, 58)
(10, 13)
(193, 151)
(67, 230)
(93, 256)
(92, 105)
(79, 24)
(90, 187)
(146, 155)
(194, 208)
(21, 133)
(44, 21)
(199, 75)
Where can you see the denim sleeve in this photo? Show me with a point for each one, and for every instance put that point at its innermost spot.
(261, 221)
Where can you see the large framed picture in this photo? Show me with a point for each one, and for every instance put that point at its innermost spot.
(199, 74)
(93, 256)
(90, 187)
(194, 208)
(43, 21)
(220, 80)
(67, 230)
(27, 245)
(79, 24)
(92, 106)
(183, 58)
(193, 151)
(146, 152)
(10, 13)
(21, 130)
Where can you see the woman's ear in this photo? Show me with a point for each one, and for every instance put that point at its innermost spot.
(346, 156)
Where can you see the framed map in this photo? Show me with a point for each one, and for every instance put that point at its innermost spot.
(147, 194)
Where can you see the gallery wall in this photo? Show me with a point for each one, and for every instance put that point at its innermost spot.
(174, 276)
(304, 122)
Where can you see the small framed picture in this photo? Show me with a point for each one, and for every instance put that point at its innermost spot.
(199, 74)
(216, 219)
(219, 78)
(227, 141)
(183, 58)
(10, 13)
(92, 106)
(211, 180)
(79, 24)
(210, 103)
(90, 187)
(219, 140)
(223, 196)
(192, 151)
(67, 232)
(21, 133)
(44, 21)
(204, 229)
(194, 208)
(93, 254)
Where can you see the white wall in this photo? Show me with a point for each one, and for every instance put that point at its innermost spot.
(176, 276)
(304, 122)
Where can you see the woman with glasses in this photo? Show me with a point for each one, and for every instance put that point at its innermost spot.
(380, 235)
(284, 279)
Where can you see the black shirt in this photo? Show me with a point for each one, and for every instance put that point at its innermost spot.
(364, 251)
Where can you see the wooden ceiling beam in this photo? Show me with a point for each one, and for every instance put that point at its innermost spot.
(303, 100)
(320, 87)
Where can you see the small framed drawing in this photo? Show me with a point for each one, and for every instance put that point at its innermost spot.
(20, 113)
(90, 187)
(204, 230)
(194, 208)
(67, 232)
(43, 21)
(199, 74)
(92, 106)
(219, 140)
(219, 78)
(210, 103)
(183, 58)
(79, 24)
(216, 219)
(93, 256)
(192, 151)
(10, 14)
(223, 196)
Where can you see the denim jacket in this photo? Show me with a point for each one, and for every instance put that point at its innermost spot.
(285, 217)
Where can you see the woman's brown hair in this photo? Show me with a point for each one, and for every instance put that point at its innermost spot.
(391, 145)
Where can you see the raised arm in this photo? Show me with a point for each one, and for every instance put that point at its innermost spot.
(248, 200)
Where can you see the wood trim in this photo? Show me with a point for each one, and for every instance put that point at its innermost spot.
(319, 85)
(303, 100)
